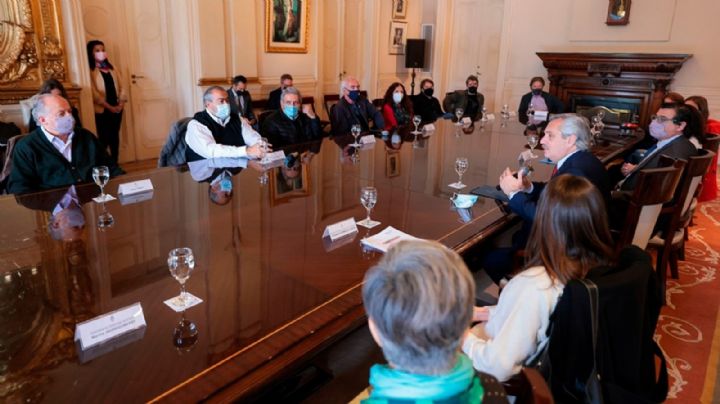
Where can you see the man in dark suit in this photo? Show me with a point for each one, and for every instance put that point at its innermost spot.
(566, 143)
(286, 81)
(353, 109)
(424, 104)
(470, 100)
(290, 125)
(540, 100)
(56, 154)
(240, 100)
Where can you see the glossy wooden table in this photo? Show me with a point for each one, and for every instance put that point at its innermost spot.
(274, 291)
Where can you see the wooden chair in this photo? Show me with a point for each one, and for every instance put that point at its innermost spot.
(671, 238)
(7, 164)
(529, 387)
(378, 103)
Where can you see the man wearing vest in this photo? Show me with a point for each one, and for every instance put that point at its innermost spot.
(215, 132)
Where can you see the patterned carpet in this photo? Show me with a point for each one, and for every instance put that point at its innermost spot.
(689, 328)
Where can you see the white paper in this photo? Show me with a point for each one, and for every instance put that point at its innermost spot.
(274, 156)
(190, 301)
(135, 187)
(429, 128)
(103, 328)
(136, 198)
(386, 239)
(340, 229)
(367, 139)
(540, 115)
(102, 199)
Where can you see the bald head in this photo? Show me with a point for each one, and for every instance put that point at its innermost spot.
(53, 112)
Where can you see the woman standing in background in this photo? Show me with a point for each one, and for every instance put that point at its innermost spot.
(109, 97)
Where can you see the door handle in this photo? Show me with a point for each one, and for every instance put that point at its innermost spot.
(135, 76)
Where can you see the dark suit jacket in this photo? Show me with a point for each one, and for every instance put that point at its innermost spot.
(680, 148)
(342, 117)
(583, 164)
(282, 131)
(235, 105)
(274, 98)
(459, 99)
(428, 108)
(555, 106)
(48, 200)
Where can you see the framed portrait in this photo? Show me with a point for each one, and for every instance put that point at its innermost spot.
(286, 26)
(399, 9)
(392, 164)
(398, 36)
(618, 12)
(287, 183)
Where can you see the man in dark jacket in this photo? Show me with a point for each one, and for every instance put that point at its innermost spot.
(470, 100)
(240, 100)
(540, 101)
(273, 103)
(424, 104)
(56, 154)
(353, 109)
(289, 125)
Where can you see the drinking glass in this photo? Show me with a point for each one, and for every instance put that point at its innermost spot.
(533, 139)
(105, 219)
(505, 112)
(459, 112)
(484, 114)
(181, 262)
(417, 120)
(461, 166)
(368, 198)
(530, 112)
(356, 130)
(101, 176)
(185, 335)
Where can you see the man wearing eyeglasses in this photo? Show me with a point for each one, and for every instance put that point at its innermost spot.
(672, 127)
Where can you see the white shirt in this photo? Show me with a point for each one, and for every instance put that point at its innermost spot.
(515, 331)
(68, 199)
(200, 139)
(64, 148)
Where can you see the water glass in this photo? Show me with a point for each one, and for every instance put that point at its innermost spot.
(533, 139)
(461, 166)
(459, 112)
(368, 198)
(101, 176)
(181, 262)
(417, 120)
(356, 130)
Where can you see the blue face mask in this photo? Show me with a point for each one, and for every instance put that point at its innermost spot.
(226, 185)
(291, 111)
(223, 111)
(354, 95)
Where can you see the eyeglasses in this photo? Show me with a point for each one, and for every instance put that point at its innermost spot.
(662, 119)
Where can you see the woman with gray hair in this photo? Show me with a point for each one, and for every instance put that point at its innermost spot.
(419, 300)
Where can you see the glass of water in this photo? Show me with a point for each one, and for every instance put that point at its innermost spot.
(532, 140)
(417, 120)
(356, 130)
(459, 112)
(368, 198)
(181, 262)
(484, 114)
(461, 166)
(101, 176)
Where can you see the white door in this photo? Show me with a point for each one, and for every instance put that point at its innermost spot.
(136, 38)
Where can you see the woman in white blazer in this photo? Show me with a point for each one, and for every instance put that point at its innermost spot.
(109, 97)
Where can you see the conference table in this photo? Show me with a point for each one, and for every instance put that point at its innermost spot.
(274, 291)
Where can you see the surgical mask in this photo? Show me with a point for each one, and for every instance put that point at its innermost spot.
(395, 138)
(240, 92)
(222, 111)
(354, 95)
(225, 182)
(101, 56)
(64, 125)
(397, 97)
(428, 92)
(472, 90)
(291, 111)
(536, 91)
(657, 130)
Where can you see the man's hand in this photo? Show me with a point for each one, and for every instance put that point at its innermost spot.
(480, 314)
(627, 168)
(510, 184)
(307, 110)
(256, 151)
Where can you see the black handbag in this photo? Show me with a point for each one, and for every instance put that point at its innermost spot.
(593, 386)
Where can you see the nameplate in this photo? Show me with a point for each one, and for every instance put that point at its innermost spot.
(135, 187)
(107, 326)
(367, 139)
(540, 115)
(135, 198)
(340, 229)
(274, 156)
(429, 128)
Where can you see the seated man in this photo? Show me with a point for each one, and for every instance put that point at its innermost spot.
(215, 132)
(352, 109)
(540, 101)
(566, 143)
(56, 154)
(671, 128)
(424, 104)
(290, 125)
(419, 302)
(470, 100)
(273, 103)
(240, 100)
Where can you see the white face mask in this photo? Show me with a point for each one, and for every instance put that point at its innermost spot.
(397, 97)
(100, 56)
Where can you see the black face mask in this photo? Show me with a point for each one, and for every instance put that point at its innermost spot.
(536, 91)
(240, 92)
(472, 90)
(428, 92)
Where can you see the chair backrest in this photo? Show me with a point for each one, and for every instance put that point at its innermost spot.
(331, 99)
(173, 152)
(712, 141)
(378, 103)
(611, 116)
(529, 386)
(7, 164)
(655, 187)
(694, 172)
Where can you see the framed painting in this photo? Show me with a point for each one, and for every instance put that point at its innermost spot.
(287, 183)
(286, 26)
(398, 35)
(399, 9)
(618, 12)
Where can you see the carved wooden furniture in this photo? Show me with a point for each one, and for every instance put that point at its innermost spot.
(632, 82)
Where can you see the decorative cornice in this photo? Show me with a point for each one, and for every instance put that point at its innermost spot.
(222, 81)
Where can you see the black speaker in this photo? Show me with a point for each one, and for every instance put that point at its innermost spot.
(415, 53)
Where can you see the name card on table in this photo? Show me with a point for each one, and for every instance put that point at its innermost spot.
(135, 187)
(274, 156)
(367, 139)
(429, 128)
(107, 326)
(540, 115)
(340, 229)
(135, 198)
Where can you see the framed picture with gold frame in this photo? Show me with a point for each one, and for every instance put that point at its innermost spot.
(399, 9)
(287, 183)
(287, 26)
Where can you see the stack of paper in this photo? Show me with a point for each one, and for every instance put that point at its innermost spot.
(386, 239)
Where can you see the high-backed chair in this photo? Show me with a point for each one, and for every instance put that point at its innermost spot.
(173, 152)
(671, 238)
(7, 164)
(530, 387)
(331, 99)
